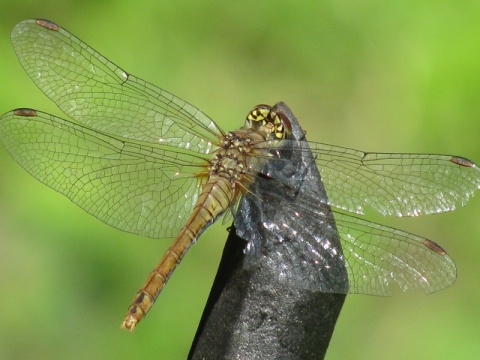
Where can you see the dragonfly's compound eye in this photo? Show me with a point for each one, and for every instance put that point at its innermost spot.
(264, 117)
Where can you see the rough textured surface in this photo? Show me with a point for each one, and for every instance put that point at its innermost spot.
(263, 303)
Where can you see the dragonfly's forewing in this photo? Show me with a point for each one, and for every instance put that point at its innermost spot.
(98, 94)
(395, 184)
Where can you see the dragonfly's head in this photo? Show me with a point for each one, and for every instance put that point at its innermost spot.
(273, 124)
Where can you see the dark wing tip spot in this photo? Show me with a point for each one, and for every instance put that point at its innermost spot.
(434, 247)
(462, 161)
(25, 112)
(48, 24)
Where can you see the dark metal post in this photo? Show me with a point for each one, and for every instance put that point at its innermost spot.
(254, 311)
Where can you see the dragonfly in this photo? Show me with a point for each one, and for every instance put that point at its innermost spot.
(147, 162)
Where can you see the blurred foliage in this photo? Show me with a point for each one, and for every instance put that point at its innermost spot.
(374, 75)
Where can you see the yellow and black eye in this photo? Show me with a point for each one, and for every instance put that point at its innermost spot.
(265, 117)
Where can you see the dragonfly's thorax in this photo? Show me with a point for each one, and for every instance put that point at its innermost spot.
(231, 159)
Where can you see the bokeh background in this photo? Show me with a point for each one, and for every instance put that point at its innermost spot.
(396, 76)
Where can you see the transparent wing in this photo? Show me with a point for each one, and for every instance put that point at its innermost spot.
(395, 184)
(379, 258)
(99, 95)
(141, 188)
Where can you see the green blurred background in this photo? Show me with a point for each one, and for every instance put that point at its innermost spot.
(400, 76)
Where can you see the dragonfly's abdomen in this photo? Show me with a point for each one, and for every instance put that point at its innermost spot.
(226, 178)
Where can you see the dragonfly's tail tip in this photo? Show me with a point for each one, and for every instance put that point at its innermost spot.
(129, 324)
